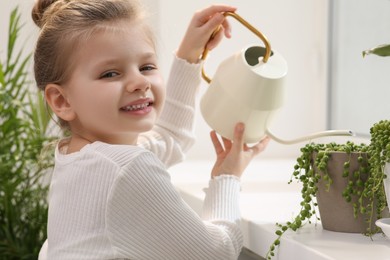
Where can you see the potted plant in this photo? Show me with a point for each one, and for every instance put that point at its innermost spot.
(23, 125)
(360, 171)
(384, 51)
(352, 174)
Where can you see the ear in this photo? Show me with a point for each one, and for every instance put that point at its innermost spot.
(56, 98)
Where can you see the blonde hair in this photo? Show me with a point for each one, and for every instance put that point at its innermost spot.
(65, 24)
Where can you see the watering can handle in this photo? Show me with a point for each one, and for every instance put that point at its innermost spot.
(251, 28)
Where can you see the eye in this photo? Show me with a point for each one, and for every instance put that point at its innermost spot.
(148, 67)
(109, 74)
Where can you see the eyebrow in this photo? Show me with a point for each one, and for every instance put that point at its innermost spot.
(112, 61)
(148, 55)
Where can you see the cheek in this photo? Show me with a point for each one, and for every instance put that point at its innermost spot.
(159, 94)
(89, 103)
(80, 101)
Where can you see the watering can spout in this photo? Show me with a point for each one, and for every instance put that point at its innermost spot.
(311, 136)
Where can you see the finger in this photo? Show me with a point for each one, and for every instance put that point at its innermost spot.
(216, 39)
(238, 139)
(223, 29)
(259, 147)
(216, 143)
(214, 23)
(206, 13)
(227, 143)
(227, 28)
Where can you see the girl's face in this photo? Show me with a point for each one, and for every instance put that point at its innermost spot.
(116, 90)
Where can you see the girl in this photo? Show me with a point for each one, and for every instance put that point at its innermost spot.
(110, 194)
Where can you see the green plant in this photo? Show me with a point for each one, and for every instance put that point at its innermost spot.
(379, 155)
(381, 50)
(23, 124)
(363, 194)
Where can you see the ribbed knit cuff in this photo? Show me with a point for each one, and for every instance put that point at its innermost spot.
(222, 199)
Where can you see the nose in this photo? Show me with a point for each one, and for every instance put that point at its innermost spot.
(138, 83)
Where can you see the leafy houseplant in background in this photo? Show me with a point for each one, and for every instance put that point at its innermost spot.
(23, 124)
(363, 168)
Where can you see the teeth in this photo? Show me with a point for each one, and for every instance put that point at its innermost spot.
(136, 107)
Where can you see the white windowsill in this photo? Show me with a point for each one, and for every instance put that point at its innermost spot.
(266, 198)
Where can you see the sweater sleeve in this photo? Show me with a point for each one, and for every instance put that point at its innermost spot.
(173, 134)
(147, 219)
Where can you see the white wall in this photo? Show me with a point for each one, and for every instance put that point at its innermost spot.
(355, 29)
(297, 29)
(29, 30)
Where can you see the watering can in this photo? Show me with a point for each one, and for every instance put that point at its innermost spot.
(249, 87)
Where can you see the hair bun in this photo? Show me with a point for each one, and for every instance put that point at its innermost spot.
(39, 9)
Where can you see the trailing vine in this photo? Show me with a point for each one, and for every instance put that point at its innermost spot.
(365, 185)
(379, 155)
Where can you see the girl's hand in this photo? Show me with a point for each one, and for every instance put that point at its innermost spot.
(200, 29)
(234, 156)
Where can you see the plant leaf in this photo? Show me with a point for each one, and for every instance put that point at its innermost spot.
(381, 50)
(2, 80)
(23, 191)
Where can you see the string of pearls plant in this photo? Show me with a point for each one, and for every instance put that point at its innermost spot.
(372, 158)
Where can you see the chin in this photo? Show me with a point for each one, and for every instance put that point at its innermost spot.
(145, 126)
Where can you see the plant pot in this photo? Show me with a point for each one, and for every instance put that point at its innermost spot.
(335, 212)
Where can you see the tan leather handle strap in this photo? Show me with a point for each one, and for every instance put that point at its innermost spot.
(251, 28)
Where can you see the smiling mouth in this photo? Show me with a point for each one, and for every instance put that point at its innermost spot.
(137, 107)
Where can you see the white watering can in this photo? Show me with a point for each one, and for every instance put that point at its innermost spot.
(249, 87)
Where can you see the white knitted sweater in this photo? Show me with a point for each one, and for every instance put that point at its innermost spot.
(117, 201)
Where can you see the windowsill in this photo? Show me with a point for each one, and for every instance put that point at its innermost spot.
(266, 198)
